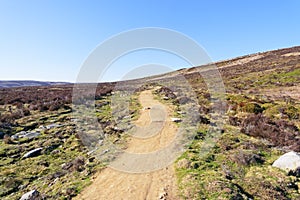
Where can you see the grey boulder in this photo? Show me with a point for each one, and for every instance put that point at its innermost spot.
(288, 161)
(31, 135)
(24, 134)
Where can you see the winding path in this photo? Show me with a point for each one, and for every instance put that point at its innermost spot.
(111, 184)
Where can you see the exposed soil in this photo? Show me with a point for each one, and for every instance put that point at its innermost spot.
(292, 54)
(112, 184)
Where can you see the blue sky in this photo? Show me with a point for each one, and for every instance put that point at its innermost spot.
(50, 39)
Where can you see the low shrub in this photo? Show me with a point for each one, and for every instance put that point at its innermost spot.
(292, 112)
(281, 133)
(245, 158)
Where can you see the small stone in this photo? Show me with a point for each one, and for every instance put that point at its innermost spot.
(292, 185)
(66, 166)
(118, 129)
(175, 119)
(32, 195)
(33, 153)
(53, 126)
(181, 112)
(163, 196)
(18, 135)
(24, 134)
(53, 182)
(295, 172)
(31, 135)
(105, 151)
(42, 127)
(92, 159)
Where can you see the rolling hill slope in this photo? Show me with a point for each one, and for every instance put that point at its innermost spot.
(255, 122)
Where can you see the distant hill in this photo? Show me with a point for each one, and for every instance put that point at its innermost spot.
(9, 84)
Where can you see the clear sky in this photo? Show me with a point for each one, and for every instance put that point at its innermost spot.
(49, 40)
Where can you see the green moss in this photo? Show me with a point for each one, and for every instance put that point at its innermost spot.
(275, 78)
(237, 98)
(280, 109)
(292, 112)
(292, 74)
(252, 107)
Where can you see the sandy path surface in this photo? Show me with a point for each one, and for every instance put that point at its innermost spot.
(111, 184)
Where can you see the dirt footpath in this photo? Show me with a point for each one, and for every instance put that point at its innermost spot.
(111, 184)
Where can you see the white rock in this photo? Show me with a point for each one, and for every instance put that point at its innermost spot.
(31, 135)
(175, 119)
(14, 137)
(105, 151)
(32, 195)
(24, 134)
(18, 135)
(53, 126)
(42, 127)
(32, 153)
(181, 112)
(288, 161)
